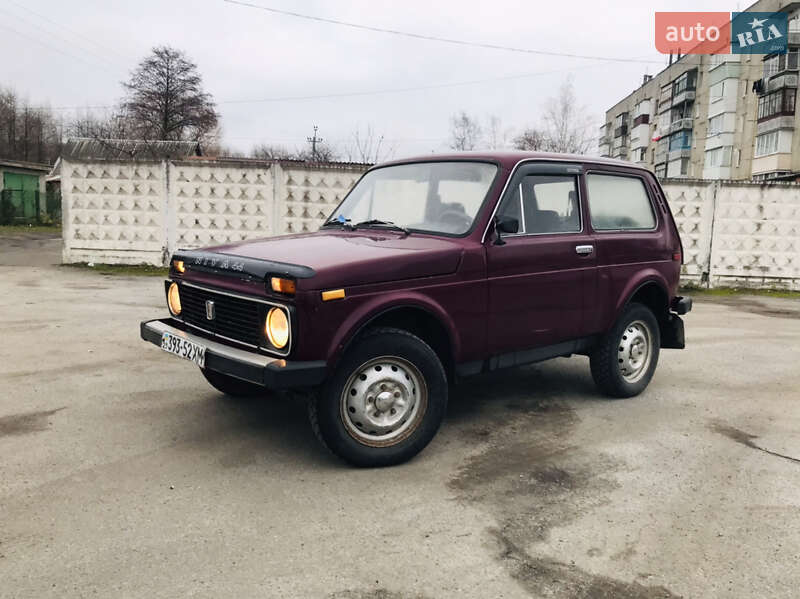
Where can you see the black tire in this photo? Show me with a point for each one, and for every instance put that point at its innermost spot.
(233, 386)
(330, 408)
(610, 361)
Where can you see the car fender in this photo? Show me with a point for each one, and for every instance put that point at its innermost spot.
(642, 278)
(367, 312)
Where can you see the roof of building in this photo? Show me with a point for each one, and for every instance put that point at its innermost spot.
(82, 148)
(30, 166)
(509, 159)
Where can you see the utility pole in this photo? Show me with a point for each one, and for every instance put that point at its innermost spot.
(314, 141)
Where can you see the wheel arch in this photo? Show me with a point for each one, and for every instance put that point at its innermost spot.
(650, 289)
(415, 314)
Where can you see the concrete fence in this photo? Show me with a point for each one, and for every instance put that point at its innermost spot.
(734, 233)
(738, 233)
(126, 212)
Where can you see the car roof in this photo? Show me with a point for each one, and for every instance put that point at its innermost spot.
(509, 159)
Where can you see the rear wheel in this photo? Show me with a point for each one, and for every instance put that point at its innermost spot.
(232, 386)
(385, 401)
(626, 358)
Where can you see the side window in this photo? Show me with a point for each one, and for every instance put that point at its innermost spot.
(544, 204)
(618, 203)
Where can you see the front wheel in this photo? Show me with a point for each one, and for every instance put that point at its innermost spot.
(625, 359)
(385, 401)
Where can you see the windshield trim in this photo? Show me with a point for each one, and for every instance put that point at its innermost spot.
(478, 213)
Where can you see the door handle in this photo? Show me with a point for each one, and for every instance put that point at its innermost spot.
(584, 250)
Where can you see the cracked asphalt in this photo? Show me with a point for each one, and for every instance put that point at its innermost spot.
(123, 474)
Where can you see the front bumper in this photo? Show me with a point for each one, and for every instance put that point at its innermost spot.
(273, 373)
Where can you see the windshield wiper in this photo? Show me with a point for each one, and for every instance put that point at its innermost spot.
(342, 222)
(381, 223)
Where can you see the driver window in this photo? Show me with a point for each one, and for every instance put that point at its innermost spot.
(544, 204)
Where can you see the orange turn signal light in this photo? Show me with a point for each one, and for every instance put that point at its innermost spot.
(280, 285)
(179, 266)
(332, 294)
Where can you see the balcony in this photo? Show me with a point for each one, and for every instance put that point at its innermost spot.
(775, 123)
(687, 95)
(621, 131)
(779, 81)
(642, 119)
(679, 153)
(680, 124)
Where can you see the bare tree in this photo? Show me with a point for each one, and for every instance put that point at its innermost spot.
(465, 132)
(496, 135)
(532, 140)
(567, 126)
(271, 152)
(27, 132)
(324, 153)
(166, 100)
(110, 125)
(368, 147)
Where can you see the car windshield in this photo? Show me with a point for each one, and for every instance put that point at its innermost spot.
(434, 197)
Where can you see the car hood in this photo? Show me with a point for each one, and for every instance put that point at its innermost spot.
(342, 258)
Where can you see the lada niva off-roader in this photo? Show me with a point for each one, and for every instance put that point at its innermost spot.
(428, 271)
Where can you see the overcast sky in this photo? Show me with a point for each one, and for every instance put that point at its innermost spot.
(80, 53)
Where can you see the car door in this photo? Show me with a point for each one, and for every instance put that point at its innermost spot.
(629, 236)
(541, 277)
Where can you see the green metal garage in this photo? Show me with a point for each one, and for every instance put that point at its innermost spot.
(22, 192)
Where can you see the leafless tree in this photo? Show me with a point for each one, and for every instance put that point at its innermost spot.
(465, 132)
(27, 132)
(272, 152)
(567, 126)
(368, 147)
(166, 100)
(532, 140)
(496, 135)
(324, 153)
(108, 125)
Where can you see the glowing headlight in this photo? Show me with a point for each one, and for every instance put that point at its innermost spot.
(174, 299)
(277, 328)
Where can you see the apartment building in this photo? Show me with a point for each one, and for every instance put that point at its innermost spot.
(728, 116)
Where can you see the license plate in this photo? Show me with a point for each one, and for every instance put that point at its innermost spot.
(183, 348)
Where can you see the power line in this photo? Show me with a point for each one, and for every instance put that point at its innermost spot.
(394, 90)
(49, 47)
(65, 28)
(105, 64)
(433, 38)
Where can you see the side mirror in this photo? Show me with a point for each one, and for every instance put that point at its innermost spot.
(507, 224)
(504, 224)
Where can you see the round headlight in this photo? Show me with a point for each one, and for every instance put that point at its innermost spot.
(174, 299)
(277, 328)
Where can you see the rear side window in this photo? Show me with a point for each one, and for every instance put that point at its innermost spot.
(619, 203)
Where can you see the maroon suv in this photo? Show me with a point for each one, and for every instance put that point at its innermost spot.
(431, 270)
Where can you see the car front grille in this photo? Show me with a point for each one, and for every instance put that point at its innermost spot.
(235, 318)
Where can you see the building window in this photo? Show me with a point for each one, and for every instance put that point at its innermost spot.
(715, 124)
(661, 171)
(767, 143)
(718, 157)
(717, 91)
(680, 141)
(779, 102)
(684, 166)
(781, 62)
(685, 82)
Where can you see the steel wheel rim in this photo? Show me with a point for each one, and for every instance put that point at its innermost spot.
(383, 401)
(634, 351)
